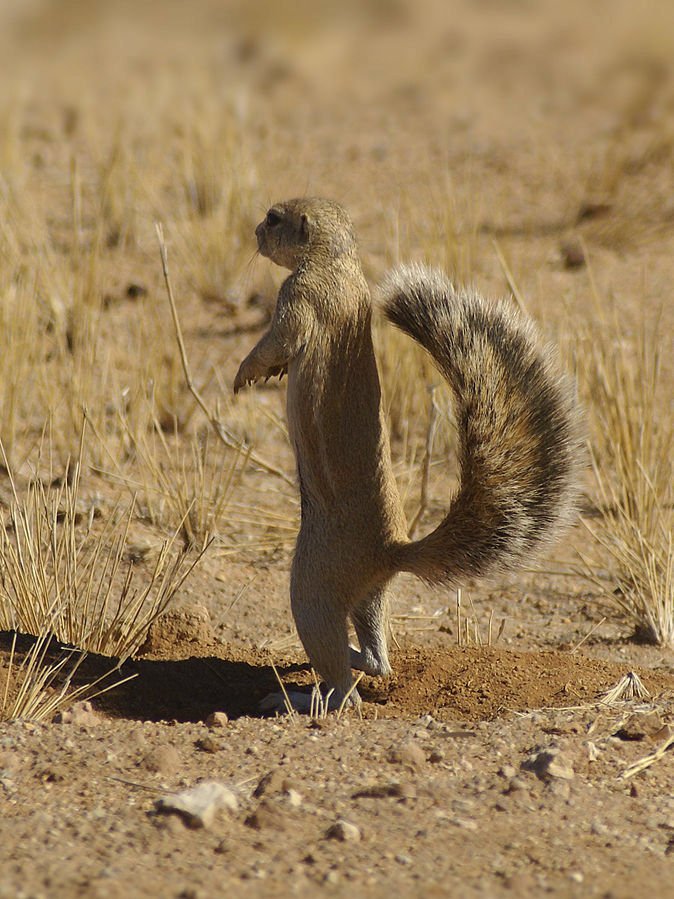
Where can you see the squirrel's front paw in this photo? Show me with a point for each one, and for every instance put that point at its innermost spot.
(248, 373)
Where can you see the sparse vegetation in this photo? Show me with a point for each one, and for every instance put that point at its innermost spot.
(634, 478)
(63, 576)
(527, 148)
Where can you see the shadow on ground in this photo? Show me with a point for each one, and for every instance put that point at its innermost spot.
(162, 689)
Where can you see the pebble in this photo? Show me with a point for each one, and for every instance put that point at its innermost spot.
(217, 719)
(464, 823)
(209, 744)
(134, 290)
(393, 790)
(640, 725)
(9, 761)
(344, 831)
(199, 805)
(548, 763)
(53, 773)
(572, 253)
(80, 713)
(274, 783)
(294, 798)
(408, 753)
(267, 816)
(428, 721)
(162, 760)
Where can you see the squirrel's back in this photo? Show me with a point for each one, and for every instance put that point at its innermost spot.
(520, 439)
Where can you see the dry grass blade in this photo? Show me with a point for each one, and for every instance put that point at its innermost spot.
(187, 490)
(291, 711)
(228, 439)
(510, 280)
(650, 759)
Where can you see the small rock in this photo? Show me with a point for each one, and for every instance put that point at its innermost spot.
(548, 763)
(572, 254)
(428, 721)
(52, 774)
(463, 806)
(209, 744)
(640, 725)
(192, 893)
(507, 771)
(436, 756)
(344, 831)
(134, 291)
(593, 210)
(558, 787)
(199, 805)
(403, 859)
(9, 762)
(268, 816)
(170, 824)
(393, 790)
(178, 626)
(408, 753)
(294, 798)
(80, 713)
(515, 784)
(162, 760)
(136, 738)
(273, 783)
(217, 719)
(464, 823)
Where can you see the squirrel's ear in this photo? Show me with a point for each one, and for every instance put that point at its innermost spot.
(304, 227)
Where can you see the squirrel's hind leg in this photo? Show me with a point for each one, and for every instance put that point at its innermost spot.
(371, 620)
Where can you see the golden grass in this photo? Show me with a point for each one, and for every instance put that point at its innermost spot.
(37, 688)
(631, 452)
(85, 174)
(66, 577)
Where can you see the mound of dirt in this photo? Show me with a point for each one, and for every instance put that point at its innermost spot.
(478, 683)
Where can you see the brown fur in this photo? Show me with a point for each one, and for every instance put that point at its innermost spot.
(518, 424)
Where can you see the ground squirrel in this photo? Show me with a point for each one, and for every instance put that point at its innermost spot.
(519, 440)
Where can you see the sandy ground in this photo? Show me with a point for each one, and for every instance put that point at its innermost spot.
(451, 131)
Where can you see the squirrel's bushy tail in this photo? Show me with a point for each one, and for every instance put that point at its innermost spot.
(520, 443)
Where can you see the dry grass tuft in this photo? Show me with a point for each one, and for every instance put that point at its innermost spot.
(628, 688)
(65, 575)
(632, 464)
(42, 688)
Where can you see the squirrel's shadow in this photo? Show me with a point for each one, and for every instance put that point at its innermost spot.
(161, 690)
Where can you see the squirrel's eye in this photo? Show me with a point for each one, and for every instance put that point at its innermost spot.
(273, 218)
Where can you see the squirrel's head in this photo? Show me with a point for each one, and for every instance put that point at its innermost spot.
(296, 230)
